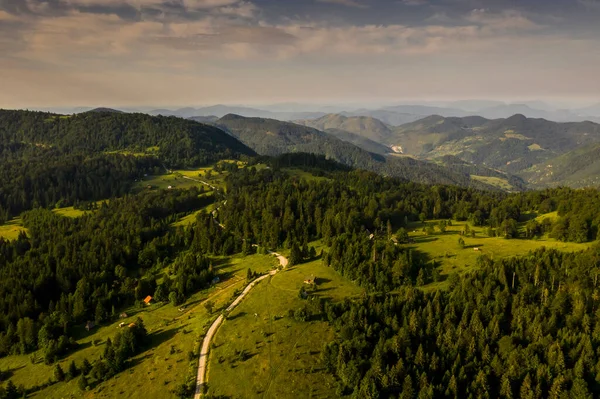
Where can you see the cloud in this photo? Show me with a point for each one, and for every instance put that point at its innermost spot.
(347, 3)
(414, 2)
(244, 9)
(505, 21)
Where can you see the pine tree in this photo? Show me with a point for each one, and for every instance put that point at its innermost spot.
(72, 372)
(59, 374)
(85, 366)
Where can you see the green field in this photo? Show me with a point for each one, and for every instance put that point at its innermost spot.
(155, 372)
(283, 354)
(69, 212)
(11, 229)
(494, 181)
(175, 179)
(445, 250)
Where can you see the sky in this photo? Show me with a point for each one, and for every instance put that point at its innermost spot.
(201, 52)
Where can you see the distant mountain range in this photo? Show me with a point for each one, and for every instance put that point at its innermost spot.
(222, 110)
(541, 151)
(273, 137)
(391, 115)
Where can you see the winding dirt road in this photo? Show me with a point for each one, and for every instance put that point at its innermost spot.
(203, 362)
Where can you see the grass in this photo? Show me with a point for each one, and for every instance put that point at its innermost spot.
(175, 179)
(445, 250)
(494, 181)
(11, 229)
(283, 354)
(69, 212)
(156, 371)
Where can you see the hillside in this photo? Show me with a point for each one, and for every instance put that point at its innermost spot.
(51, 160)
(512, 145)
(176, 141)
(360, 141)
(577, 168)
(272, 137)
(364, 126)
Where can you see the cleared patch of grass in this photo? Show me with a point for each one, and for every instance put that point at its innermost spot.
(11, 229)
(69, 212)
(155, 372)
(282, 355)
(445, 250)
(494, 181)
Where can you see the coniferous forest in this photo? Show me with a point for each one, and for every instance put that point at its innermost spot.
(521, 327)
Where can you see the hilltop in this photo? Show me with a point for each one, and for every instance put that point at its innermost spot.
(364, 126)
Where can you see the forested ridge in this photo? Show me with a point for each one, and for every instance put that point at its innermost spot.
(56, 160)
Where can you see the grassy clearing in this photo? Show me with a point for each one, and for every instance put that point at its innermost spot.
(156, 371)
(494, 181)
(283, 354)
(175, 179)
(163, 182)
(444, 248)
(11, 229)
(69, 212)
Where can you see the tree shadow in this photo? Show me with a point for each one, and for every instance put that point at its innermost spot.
(425, 239)
(236, 316)
(159, 336)
(526, 217)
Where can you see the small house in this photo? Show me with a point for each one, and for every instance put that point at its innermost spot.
(123, 315)
(310, 280)
(131, 325)
(476, 249)
(148, 300)
(90, 325)
(121, 324)
(170, 187)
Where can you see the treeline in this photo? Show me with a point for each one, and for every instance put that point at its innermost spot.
(516, 328)
(67, 271)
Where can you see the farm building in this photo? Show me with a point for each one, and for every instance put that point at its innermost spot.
(310, 280)
(148, 300)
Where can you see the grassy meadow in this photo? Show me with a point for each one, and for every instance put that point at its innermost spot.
(11, 229)
(445, 250)
(282, 354)
(155, 372)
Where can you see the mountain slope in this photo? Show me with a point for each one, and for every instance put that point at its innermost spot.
(512, 145)
(364, 126)
(175, 141)
(272, 137)
(577, 168)
(360, 141)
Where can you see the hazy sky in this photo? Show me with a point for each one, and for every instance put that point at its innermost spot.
(194, 52)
